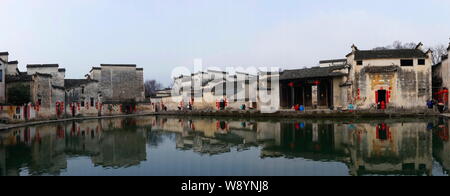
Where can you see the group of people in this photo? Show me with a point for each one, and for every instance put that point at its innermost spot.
(189, 106)
(440, 106)
(299, 107)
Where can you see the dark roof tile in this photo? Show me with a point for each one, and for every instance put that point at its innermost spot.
(380, 69)
(13, 62)
(4, 53)
(386, 54)
(18, 78)
(41, 65)
(73, 83)
(333, 61)
(118, 65)
(315, 72)
(58, 87)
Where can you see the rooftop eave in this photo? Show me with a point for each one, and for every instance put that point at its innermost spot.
(118, 65)
(42, 65)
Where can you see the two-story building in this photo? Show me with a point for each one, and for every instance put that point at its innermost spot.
(396, 78)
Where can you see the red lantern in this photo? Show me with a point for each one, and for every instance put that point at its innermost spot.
(291, 84)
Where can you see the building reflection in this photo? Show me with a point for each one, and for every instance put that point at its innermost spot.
(441, 144)
(44, 150)
(391, 147)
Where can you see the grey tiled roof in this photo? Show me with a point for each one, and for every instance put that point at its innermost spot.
(333, 61)
(41, 65)
(380, 69)
(96, 68)
(18, 78)
(118, 65)
(385, 54)
(73, 83)
(58, 87)
(43, 75)
(315, 72)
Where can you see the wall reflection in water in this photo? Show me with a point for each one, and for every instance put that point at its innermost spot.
(387, 147)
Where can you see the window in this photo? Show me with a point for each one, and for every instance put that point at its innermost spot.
(92, 102)
(82, 103)
(39, 101)
(359, 62)
(421, 62)
(406, 62)
(82, 90)
(1, 75)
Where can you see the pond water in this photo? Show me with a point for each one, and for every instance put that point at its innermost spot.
(179, 146)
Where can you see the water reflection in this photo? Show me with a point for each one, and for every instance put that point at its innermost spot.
(162, 146)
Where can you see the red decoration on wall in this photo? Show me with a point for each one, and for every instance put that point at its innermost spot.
(291, 84)
(376, 97)
(388, 96)
(359, 94)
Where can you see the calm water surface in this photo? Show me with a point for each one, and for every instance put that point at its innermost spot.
(197, 147)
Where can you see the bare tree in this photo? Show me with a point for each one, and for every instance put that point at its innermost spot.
(438, 51)
(397, 45)
(151, 86)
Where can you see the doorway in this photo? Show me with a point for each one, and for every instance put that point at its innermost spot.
(381, 99)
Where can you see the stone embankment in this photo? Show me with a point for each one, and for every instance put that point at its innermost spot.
(288, 114)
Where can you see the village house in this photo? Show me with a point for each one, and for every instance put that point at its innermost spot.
(205, 91)
(396, 78)
(120, 87)
(120, 82)
(441, 79)
(42, 92)
(313, 88)
(83, 97)
(35, 94)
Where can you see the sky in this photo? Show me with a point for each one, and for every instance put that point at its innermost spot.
(160, 35)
